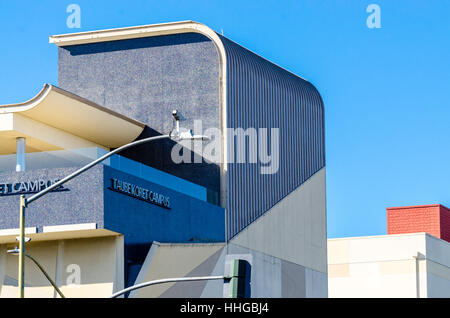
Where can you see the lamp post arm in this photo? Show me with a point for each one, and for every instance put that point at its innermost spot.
(45, 274)
(90, 165)
(165, 280)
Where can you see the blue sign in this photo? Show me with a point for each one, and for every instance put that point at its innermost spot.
(140, 193)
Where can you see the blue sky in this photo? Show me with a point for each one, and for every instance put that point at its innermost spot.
(386, 91)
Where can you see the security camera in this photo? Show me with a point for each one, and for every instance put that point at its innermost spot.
(27, 239)
(175, 114)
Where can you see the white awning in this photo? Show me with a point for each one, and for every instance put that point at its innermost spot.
(56, 119)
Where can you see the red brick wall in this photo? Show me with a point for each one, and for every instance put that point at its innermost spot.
(445, 223)
(414, 219)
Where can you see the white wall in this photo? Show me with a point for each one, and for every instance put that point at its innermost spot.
(99, 262)
(438, 267)
(294, 230)
(404, 265)
(377, 266)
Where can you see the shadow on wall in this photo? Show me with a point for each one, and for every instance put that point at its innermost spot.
(89, 267)
(157, 154)
(133, 44)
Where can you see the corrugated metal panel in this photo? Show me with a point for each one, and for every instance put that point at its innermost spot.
(263, 95)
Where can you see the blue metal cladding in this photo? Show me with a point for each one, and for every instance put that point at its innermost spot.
(263, 95)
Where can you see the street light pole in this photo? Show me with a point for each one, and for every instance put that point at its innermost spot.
(16, 251)
(163, 281)
(45, 274)
(22, 247)
(24, 202)
(90, 165)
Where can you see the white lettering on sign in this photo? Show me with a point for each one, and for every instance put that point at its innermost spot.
(140, 193)
(24, 187)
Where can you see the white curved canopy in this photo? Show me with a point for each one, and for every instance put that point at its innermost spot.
(56, 119)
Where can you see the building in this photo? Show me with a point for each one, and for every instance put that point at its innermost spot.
(413, 260)
(433, 219)
(134, 217)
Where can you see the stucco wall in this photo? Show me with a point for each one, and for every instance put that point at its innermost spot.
(80, 268)
(271, 277)
(146, 79)
(294, 229)
(82, 203)
(402, 265)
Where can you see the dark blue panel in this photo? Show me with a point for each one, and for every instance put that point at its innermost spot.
(188, 219)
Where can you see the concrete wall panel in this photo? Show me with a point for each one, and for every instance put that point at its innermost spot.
(80, 267)
(295, 229)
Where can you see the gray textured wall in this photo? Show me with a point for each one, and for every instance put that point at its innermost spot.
(146, 79)
(83, 203)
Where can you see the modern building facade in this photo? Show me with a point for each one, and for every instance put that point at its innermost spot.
(117, 86)
(412, 262)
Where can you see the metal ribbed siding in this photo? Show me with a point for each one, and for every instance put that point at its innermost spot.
(263, 95)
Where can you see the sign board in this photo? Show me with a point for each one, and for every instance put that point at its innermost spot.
(27, 187)
(140, 193)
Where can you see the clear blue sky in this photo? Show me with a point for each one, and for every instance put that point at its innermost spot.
(386, 91)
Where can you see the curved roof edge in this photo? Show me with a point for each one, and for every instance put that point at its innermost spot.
(168, 28)
(73, 114)
(142, 31)
(129, 33)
